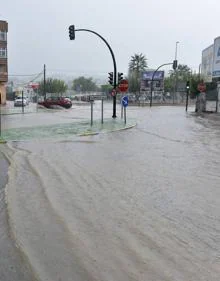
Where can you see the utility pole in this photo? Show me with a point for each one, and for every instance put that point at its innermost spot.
(199, 71)
(44, 82)
(175, 75)
(187, 94)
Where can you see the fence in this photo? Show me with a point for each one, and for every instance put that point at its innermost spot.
(212, 100)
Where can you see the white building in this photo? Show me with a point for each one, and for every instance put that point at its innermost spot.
(210, 66)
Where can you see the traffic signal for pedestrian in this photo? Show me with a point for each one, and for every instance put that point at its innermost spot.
(120, 77)
(72, 32)
(187, 85)
(175, 64)
(110, 78)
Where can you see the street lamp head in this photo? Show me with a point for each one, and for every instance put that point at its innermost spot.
(176, 50)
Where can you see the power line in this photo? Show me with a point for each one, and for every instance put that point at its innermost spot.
(38, 75)
(23, 74)
(32, 80)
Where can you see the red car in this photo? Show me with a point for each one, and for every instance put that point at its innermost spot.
(61, 101)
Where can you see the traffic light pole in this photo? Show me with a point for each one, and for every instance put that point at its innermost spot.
(114, 64)
(44, 82)
(187, 94)
(187, 99)
(152, 80)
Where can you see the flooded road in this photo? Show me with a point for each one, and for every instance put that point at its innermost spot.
(139, 204)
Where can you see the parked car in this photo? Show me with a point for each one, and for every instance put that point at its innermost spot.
(60, 101)
(18, 101)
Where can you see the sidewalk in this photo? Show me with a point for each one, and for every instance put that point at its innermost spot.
(3, 171)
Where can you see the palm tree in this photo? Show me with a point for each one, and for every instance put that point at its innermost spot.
(137, 65)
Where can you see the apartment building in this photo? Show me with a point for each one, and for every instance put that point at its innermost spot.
(210, 66)
(3, 60)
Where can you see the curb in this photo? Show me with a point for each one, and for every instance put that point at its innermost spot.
(88, 134)
(2, 141)
(111, 131)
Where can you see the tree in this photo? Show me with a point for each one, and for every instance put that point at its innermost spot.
(55, 86)
(137, 65)
(134, 83)
(183, 73)
(82, 84)
(194, 81)
(168, 84)
(106, 89)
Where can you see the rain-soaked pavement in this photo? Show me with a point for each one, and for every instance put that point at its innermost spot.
(138, 204)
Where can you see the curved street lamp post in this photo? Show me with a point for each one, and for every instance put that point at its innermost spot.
(152, 80)
(72, 37)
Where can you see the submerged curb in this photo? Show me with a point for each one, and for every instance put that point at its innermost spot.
(2, 141)
(87, 134)
(110, 131)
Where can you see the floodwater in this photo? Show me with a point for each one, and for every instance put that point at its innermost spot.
(133, 205)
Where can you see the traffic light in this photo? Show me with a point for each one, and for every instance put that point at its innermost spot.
(187, 86)
(175, 64)
(120, 77)
(72, 32)
(110, 78)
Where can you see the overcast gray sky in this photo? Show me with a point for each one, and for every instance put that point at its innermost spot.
(38, 33)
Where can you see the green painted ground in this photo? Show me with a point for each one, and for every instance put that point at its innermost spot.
(67, 130)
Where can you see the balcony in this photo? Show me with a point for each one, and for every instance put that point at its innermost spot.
(3, 77)
(3, 61)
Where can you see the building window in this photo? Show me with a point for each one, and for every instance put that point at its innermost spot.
(3, 36)
(3, 53)
(2, 68)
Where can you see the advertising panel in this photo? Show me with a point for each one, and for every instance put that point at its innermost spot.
(216, 58)
(207, 64)
(158, 80)
(147, 75)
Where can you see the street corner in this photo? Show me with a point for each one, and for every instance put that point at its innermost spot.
(109, 126)
(2, 141)
(84, 134)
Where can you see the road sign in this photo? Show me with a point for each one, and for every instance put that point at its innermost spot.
(123, 86)
(125, 101)
(201, 87)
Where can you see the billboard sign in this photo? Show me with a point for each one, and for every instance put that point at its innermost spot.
(216, 58)
(147, 75)
(207, 64)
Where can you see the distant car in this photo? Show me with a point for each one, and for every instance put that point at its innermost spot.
(18, 101)
(53, 101)
(142, 98)
(27, 99)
